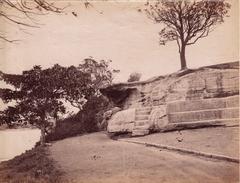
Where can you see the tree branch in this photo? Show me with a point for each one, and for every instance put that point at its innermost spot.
(9, 40)
(200, 36)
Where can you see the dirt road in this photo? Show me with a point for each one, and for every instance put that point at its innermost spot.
(95, 158)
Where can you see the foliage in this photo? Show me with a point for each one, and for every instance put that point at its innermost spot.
(186, 21)
(39, 92)
(135, 76)
(85, 121)
(101, 74)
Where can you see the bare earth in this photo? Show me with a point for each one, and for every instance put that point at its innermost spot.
(95, 158)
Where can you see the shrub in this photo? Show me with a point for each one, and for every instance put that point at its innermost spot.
(135, 76)
(86, 121)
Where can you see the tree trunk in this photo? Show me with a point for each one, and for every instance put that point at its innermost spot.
(183, 58)
(42, 138)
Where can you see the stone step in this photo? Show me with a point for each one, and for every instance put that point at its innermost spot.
(142, 127)
(141, 122)
(143, 109)
(141, 117)
(147, 112)
(139, 132)
(194, 105)
(201, 115)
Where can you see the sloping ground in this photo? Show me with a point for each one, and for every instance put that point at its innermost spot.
(95, 158)
(33, 166)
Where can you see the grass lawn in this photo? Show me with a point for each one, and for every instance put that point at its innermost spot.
(33, 166)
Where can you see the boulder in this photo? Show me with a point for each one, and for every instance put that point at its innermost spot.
(107, 115)
(122, 121)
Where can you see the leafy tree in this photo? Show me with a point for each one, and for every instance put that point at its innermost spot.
(135, 76)
(101, 74)
(39, 93)
(186, 21)
(86, 120)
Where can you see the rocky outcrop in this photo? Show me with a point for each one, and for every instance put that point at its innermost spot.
(107, 116)
(204, 96)
(122, 121)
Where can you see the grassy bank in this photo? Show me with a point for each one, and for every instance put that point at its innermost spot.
(33, 166)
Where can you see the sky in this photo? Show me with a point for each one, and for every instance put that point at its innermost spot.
(113, 31)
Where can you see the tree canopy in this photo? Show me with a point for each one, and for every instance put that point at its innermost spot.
(186, 21)
(39, 93)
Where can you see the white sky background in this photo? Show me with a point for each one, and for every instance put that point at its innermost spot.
(121, 34)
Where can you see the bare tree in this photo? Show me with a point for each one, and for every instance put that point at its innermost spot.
(186, 21)
(21, 13)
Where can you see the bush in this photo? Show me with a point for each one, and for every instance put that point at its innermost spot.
(86, 121)
(135, 76)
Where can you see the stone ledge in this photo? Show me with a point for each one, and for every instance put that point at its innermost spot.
(201, 124)
(203, 104)
(201, 115)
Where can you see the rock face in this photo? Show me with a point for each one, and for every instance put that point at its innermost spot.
(106, 116)
(208, 95)
(122, 121)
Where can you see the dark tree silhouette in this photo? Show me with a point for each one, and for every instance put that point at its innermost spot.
(186, 21)
(39, 93)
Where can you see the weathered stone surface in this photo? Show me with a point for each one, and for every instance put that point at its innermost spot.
(107, 115)
(141, 123)
(221, 83)
(157, 118)
(122, 121)
(141, 117)
(209, 114)
(115, 110)
(139, 132)
(204, 104)
(205, 94)
(124, 127)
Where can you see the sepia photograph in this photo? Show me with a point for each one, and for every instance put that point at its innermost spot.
(119, 91)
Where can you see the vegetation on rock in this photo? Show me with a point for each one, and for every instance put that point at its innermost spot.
(135, 76)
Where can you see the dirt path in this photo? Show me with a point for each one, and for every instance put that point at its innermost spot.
(95, 158)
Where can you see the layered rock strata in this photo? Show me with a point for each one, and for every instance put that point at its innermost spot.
(187, 99)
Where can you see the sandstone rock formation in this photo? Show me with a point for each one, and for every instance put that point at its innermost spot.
(122, 121)
(205, 96)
